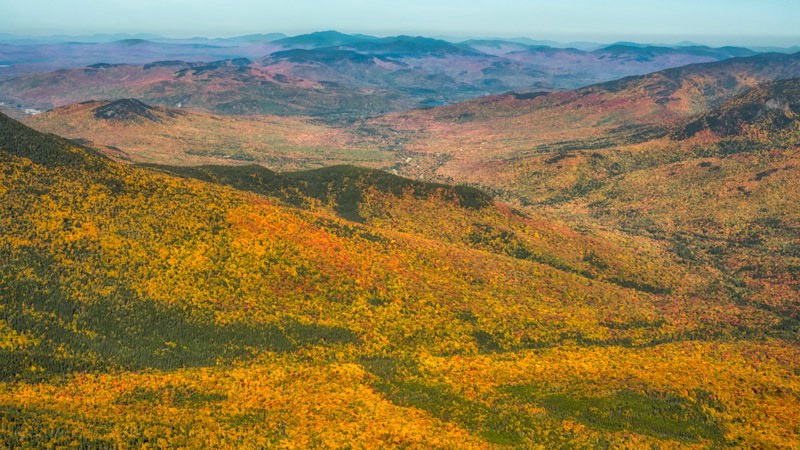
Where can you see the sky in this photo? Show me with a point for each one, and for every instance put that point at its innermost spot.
(714, 22)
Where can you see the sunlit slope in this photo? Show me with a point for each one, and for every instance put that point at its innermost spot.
(130, 130)
(458, 215)
(266, 318)
(719, 188)
(477, 140)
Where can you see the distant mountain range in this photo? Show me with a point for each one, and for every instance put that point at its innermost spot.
(7, 38)
(327, 74)
(26, 54)
(323, 39)
(19, 59)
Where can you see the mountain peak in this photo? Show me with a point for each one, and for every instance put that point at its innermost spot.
(322, 39)
(127, 109)
(133, 41)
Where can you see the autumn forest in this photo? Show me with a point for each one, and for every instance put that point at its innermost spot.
(345, 241)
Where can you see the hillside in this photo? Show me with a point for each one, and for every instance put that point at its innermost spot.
(699, 158)
(265, 318)
(481, 141)
(129, 130)
(767, 109)
(620, 156)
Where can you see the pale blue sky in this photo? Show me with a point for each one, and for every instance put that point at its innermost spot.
(753, 22)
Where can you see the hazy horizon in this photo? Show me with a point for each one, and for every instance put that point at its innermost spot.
(712, 41)
(715, 22)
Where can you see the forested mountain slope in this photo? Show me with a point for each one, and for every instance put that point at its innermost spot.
(349, 307)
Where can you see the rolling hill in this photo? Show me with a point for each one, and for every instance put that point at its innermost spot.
(335, 84)
(224, 87)
(129, 130)
(347, 306)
